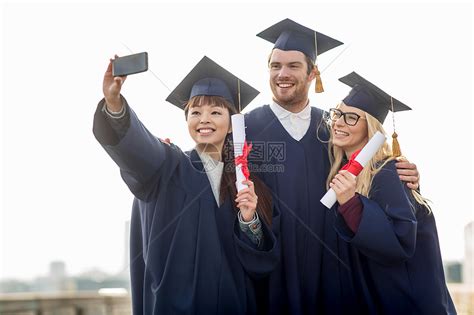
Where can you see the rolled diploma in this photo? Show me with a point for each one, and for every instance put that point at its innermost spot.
(238, 135)
(364, 156)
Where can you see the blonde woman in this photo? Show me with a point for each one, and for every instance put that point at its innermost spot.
(396, 259)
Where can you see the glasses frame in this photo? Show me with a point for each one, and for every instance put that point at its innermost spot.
(343, 114)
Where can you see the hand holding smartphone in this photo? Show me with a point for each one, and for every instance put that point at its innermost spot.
(130, 64)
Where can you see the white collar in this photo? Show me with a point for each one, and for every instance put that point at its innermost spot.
(214, 171)
(208, 162)
(282, 113)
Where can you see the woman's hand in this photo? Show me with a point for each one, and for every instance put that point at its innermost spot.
(247, 201)
(344, 184)
(111, 87)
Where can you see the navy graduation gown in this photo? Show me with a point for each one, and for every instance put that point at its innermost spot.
(187, 255)
(396, 251)
(312, 277)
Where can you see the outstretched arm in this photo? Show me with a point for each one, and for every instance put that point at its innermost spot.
(143, 159)
(111, 87)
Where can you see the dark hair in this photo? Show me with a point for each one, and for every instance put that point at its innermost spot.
(264, 206)
(309, 62)
(199, 100)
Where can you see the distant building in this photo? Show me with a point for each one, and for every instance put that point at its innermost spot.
(453, 271)
(57, 279)
(468, 268)
(57, 270)
(14, 286)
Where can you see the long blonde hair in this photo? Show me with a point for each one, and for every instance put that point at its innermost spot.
(381, 157)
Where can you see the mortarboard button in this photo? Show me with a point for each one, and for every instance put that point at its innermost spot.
(370, 98)
(289, 35)
(373, 100)
(209, 78)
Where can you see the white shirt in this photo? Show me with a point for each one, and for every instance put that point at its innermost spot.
(295, 124)
(213, 170)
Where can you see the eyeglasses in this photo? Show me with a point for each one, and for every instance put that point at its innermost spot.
(350, 119)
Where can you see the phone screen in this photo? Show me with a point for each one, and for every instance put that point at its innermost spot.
(130, 64)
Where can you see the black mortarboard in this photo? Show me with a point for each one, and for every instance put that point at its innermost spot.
(289, 35)
(368, 97)
(208, 78)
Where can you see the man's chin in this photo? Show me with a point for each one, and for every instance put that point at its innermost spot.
(284, 98)
(286, 101)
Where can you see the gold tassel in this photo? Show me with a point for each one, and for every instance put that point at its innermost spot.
(396, 152)
(318, 85)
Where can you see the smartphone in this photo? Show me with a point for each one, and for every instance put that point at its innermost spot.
(130, 64)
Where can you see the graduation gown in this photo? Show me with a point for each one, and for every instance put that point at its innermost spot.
(187, 254)
(396, 254)
(312, 276)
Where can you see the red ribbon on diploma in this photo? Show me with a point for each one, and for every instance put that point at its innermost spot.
(242, 160)
(353, 166)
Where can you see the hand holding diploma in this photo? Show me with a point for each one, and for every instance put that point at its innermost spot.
(356, 165)
(246, 198)
(241, 150)
(344, 185)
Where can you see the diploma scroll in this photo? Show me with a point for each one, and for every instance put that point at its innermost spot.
(238, 136)
(364, 156)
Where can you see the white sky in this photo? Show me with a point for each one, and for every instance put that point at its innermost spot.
(62, 196)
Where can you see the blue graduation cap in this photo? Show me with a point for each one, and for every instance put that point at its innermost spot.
(373, 100)
(370, 98)
(289, 35)
(209, 78)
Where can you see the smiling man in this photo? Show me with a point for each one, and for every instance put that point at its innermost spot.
(313, 276)
(290, 79)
